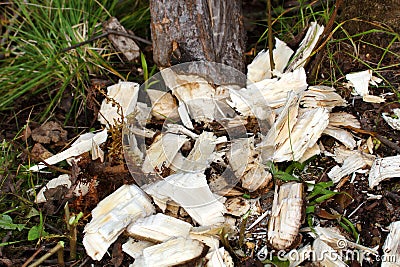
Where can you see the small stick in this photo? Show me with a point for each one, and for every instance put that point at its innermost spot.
(270, 40)
(32, 257)
(59, 246)
(60, 257)
(104, 34)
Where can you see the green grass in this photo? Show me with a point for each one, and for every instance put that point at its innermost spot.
(35, 62)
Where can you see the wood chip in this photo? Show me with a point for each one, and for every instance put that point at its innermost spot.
(342, 135)
(321, 250)
(391, 248)
(306, 46)
(175, 251)
(287, 215)
(63, 180)
(135, 248)
(305, 134)
(322, 96)
(112, 215)
(237, 206)
(158, 228)
(382, 169)
(333, 238)
(342, 119)
(260, 68)
(394, 121)
(190, 191)
(163, 105)
(247, 165)
(162, 152)
(123, 97)
(74, 150)
(353, 161)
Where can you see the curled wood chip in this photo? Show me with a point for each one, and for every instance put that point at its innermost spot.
(305, 134)
(190, 191)
(343, 119)
(391, 248)
(199, 157)
(123, 97)
(286, 216)
(158, 228)
(306, 46)
(196, 96)
(394, 121)
(162, 152)
(322, 96)
(173, 252)
(112, 215)
(382, 169)
(246, 162)
(341, 135)
(74, 150)
(163, 105)
(360, 81)
(124, 44)
(50, 132)
(260, 68)
(352, 161)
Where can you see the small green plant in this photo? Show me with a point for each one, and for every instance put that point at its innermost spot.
(319, 194)
(37, 231)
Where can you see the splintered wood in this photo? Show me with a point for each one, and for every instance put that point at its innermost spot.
(199, 142)
(111, 217)
(287, 216)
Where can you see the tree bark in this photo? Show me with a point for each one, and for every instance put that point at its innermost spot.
(193, 30)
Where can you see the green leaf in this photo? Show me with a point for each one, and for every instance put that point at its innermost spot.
(324, 197)
(36, 232)
(284, 176)
(310, 209)
(32, 213)
(246, 196)
(7, 223)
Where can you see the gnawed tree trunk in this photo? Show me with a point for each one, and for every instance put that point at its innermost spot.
(192, 30)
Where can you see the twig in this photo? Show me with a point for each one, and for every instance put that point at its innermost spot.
(104, 34)
(4, 240)
(381, 138)
(270, 40)
(325, 36)
(32, 257)
(59, 246)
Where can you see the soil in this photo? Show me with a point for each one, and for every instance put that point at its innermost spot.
(371, 217)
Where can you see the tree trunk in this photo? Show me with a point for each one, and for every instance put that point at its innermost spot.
(193, 30)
